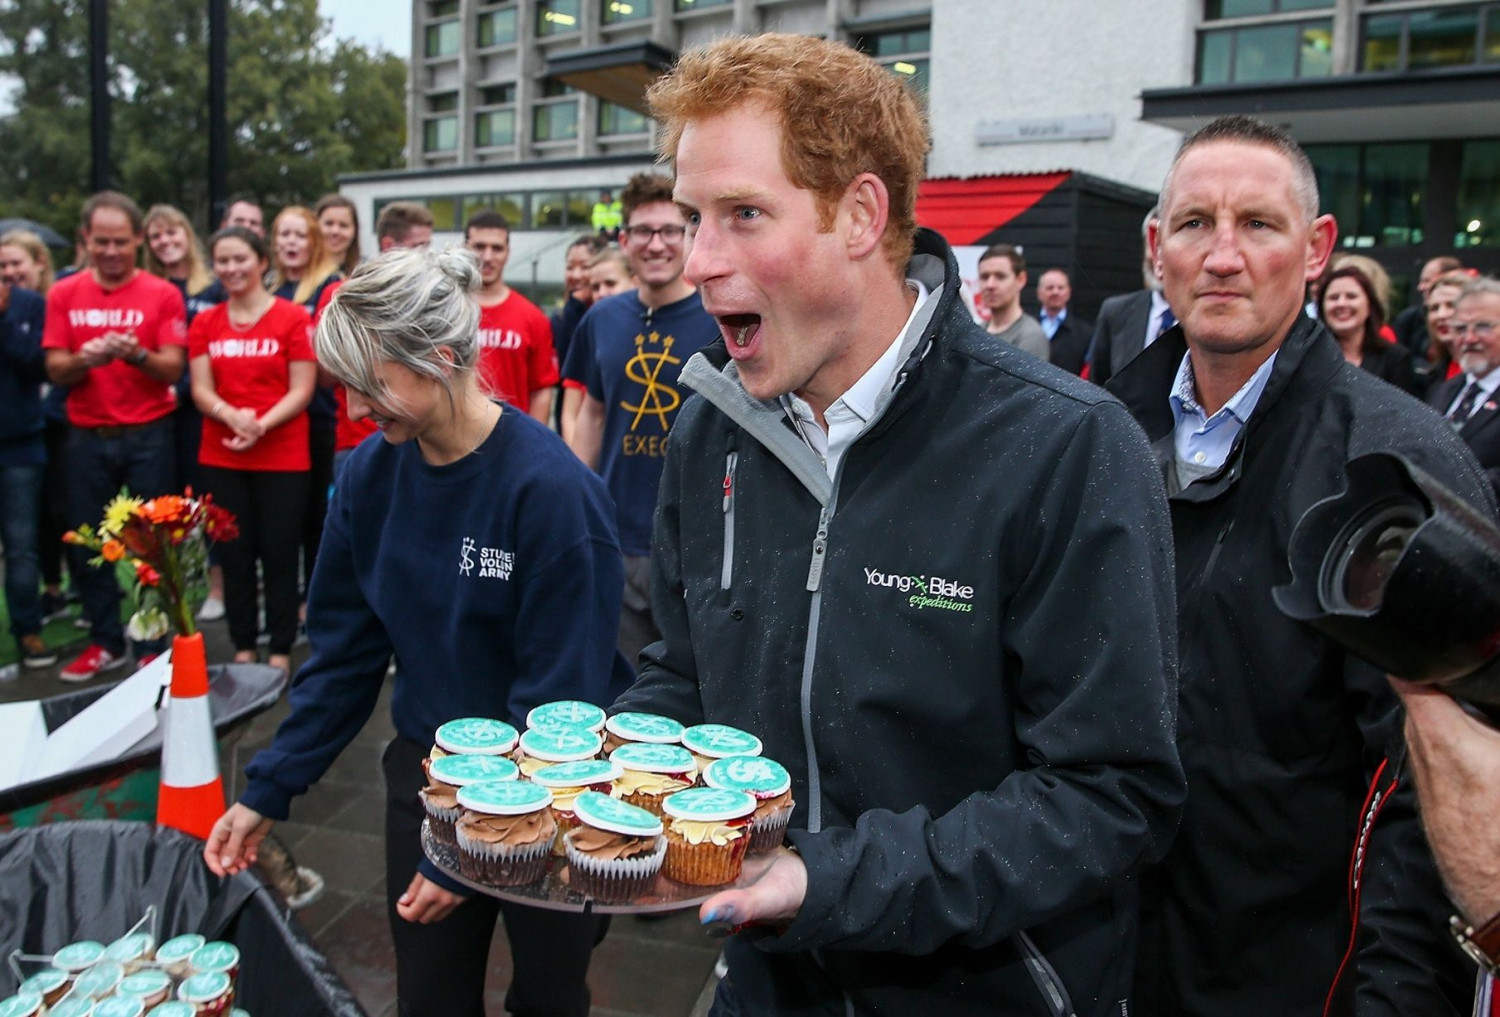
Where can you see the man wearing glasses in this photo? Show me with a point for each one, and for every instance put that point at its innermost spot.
(626, 355)
(1468, 400)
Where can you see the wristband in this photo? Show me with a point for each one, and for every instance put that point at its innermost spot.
(137, 358)
(1481, 944)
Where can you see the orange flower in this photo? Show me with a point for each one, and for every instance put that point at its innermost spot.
(168, 508)
(72, 537)
(112, 550)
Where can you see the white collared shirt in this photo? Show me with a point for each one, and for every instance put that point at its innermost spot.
(1488, 384)
(849, 414)
(1153, 321)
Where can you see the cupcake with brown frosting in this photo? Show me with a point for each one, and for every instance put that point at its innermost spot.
(615, 851)
(445, 776)
(505, 833)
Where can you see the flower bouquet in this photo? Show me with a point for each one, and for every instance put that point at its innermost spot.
(165, 539)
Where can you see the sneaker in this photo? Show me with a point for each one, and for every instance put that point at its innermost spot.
(212, 609)
(35, 653)
(92, 661)
(54, 606)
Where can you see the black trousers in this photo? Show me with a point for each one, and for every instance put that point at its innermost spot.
(440, 968)
(320, 444)
(268, 505)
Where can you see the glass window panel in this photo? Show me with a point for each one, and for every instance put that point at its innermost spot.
(1441, 38)
(554, 17)
(693, 5)
(1317, 50)
(512, 206)
(497, 28)
(618, 11)
(555, 122)
(444, 103)
(1239, 8)
(496, 95)
(1395, 180)
(497, 127)
(440, 135)
(548, 210)
(580, 206)
(913, 72)
(1491, 52)
(442, 8)
(1337, 170)
(1382, 51)
(1214, 49)
(552, 88)
(1305, 5)
(615, 119)
(1268, 53)
(444, 213)
(1479, 195)
(442, 40)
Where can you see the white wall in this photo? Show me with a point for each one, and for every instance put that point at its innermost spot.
(1007, 59)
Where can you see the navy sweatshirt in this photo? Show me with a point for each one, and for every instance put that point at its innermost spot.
(495, 581)
(22, 372)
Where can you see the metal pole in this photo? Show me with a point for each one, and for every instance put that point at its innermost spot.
(99, 178)
(218, 117)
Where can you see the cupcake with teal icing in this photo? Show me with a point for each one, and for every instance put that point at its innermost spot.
(542, 747)
(474, 736)
(173, 1008)
(99, 981)
(708, 742)
(209, 992)
(132, 950)
(567, 713)
(567, 781)
(446, 775)
(615, 851)
(173, 955)
(119, 1006)
(708, 833)
(651, 728)
(49, 983)
(651, 772)
(72, 1006)
(769, 784)
(505, 833)
(152, 986)
(78, 957)
(22, 1004)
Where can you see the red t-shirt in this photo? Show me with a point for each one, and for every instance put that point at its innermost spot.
(117, 394)
(252, 367)
(516, 357)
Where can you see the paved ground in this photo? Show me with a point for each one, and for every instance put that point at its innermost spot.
(645, 968)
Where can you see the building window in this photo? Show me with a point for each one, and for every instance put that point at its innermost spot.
(1256, 53)
(1374, 191)
(1216, 9)
(697, 5)
(497, 95)
(557, 121)
(554, 89)
(440, 134)
(1479, 195)
(443, 39)
(905, 52)
(512, 206)
(555, 17)
(619, 11)
(1416, 40)
(615, 119)
(549, 209)
(495, 127)
(443, 102)
(442, 8)
(497, 28)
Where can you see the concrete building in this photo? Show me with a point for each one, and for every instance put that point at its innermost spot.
(1054, 122)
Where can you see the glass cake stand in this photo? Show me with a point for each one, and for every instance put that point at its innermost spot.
(552, 890)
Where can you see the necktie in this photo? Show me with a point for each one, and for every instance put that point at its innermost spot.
(1464, 408)
(1168, 321)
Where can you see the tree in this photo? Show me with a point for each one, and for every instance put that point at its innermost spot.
(302, 110)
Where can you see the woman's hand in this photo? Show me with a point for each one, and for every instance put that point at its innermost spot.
(234, 842)
(245, 424)
(424, 902)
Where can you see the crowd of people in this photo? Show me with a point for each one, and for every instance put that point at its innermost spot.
(1008, 623)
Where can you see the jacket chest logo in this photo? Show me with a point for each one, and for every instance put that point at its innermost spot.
(492, 562)
(923, 592)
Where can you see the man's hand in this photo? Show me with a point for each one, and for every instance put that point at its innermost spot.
(97, 352)
(234, 842)
(424, 902)
(1456, 759)
(774, 898)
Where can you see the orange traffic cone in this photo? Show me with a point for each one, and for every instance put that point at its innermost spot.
(191, 798)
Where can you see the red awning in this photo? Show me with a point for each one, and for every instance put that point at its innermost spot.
(965, 210)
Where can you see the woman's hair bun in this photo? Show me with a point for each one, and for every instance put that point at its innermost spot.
(460, 265)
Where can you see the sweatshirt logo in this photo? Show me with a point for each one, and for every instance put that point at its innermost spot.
(106, 317)
(925, 591)
(493, 563)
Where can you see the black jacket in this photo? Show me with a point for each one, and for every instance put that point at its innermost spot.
(1280, 730)
(1481, 432)
(1119, 335)
(1390, 362)
(962, 651)
(21, 375)
(1069, 348)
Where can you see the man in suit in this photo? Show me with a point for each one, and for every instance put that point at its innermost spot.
(1130, 322)
(1068, 334)
(1468, 400)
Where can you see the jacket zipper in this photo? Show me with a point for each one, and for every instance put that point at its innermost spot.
(1045, 977)
(726, 572)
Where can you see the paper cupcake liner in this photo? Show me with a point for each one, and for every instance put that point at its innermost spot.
(614, 879)
(768, 831)
(443, 821)
(502, 864)
(706, 864)
(646, 800)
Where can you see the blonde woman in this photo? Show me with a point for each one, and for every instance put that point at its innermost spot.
(302, 267)
(26, 262)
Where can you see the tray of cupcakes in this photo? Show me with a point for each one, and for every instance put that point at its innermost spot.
(583, 812)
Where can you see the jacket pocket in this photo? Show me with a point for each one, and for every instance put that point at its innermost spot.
(1045, 976)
